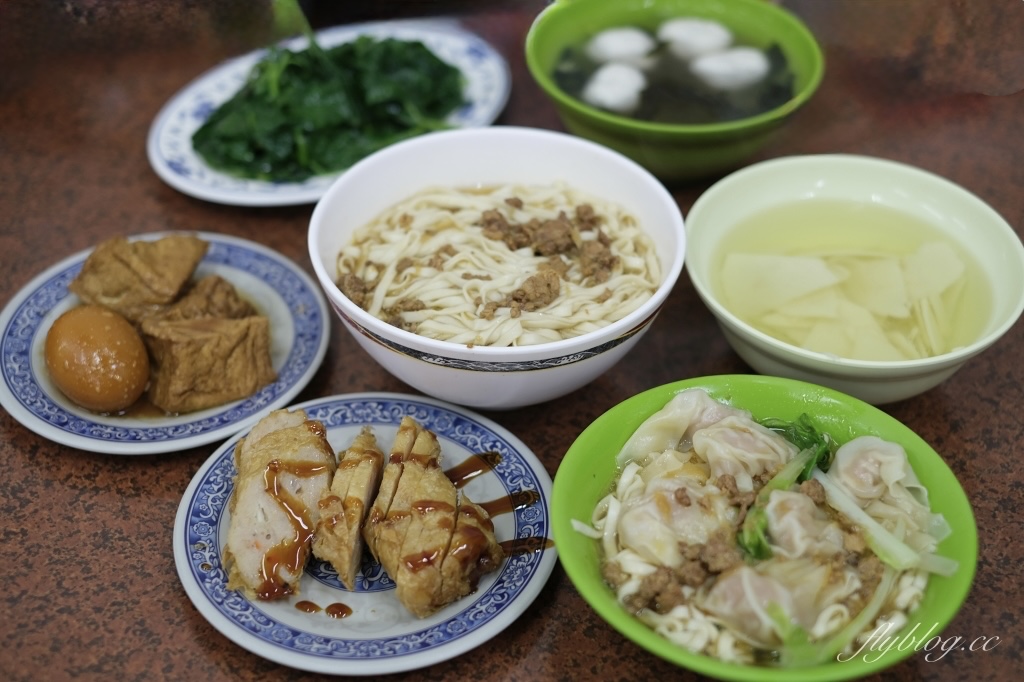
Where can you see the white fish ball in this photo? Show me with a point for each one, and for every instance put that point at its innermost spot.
(732, 69)
(691, 37)
(623, 44)
(615, 87)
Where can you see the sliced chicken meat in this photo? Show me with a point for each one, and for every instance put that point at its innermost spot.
(393, 468)
(284, 466)
(343, 509)
(419, 541)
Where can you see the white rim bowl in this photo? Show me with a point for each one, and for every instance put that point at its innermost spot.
(957, 213)
(481, 157)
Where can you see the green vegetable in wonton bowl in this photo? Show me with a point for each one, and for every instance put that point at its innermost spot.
(760, 528)
(318, 110)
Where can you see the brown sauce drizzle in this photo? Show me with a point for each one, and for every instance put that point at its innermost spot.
(428, 506)
(338, 610)
(425, 461)
(530, 545)
(425, 559)
(480, 519)
(327, 501)
(290, 553)
(473, 466)
(505, 505)
(468, 544)
(351, 463)
(317, 427)
(335, 610)
(308, 607)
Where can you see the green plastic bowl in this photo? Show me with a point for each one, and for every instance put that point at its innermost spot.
(588, 472)
(674, 153)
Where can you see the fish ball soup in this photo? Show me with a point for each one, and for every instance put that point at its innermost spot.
(688, 70)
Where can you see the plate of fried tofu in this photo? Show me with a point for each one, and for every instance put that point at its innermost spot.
(366, 534)
(233, 330)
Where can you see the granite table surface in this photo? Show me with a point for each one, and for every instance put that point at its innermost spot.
(90, 588)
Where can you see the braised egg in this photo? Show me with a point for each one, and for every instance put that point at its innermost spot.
(97, 359)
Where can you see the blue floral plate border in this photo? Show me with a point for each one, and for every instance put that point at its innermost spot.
(300, 332)
(380, 636)
(169, 145)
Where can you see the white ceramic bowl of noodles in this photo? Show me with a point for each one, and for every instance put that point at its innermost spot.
(489, 377)
(953, 213)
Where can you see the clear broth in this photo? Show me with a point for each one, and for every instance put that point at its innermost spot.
(673, 95)
(795, 229)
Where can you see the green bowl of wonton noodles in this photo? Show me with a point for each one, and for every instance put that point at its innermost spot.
(589, 472)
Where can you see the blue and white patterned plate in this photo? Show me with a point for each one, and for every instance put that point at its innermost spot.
(169, 147)
(380, 636)
(300, 329)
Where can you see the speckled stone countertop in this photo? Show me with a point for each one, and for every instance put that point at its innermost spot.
(90, 589)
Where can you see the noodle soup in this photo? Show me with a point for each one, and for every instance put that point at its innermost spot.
(502, 265)
(780, 541)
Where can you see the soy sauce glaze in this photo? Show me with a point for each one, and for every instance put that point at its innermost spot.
(530, 545)
(459, 475)
(481, 463)
(336, 610)
(473, 466)
(289, 554)
(506, 505)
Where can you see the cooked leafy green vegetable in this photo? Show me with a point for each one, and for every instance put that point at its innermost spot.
(817, 450)
(316, 111)
(804, 434)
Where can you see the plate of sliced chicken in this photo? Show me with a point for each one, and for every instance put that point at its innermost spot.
(364, 534)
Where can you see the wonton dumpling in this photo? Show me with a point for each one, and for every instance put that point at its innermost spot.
(804, 590)
(673, 426)
(739, 446)
(815, 587)
(868, 467)
(798, 528)
(655, 524)
(739, 598)
(878, 476)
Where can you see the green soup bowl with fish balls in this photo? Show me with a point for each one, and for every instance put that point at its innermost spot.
(676, 149)
(885, 233)
(588, 472)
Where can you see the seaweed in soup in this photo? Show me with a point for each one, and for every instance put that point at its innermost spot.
(674, 95)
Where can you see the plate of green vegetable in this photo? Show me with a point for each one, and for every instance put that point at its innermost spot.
(276, 126)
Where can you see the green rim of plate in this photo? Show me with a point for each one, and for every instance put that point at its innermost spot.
(587, 472)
